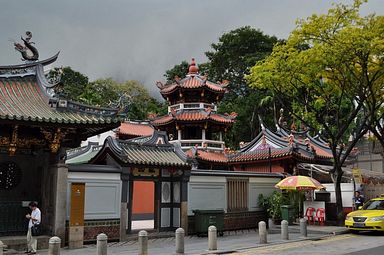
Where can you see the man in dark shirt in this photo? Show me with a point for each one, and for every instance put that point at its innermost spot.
(359, 199)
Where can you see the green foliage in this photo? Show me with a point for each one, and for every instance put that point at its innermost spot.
(329, 69)
(235, 53)
(72, 84)
(107, 93)
(180, 70)
(272, 204)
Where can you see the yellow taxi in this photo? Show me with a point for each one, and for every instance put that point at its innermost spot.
(369, 217)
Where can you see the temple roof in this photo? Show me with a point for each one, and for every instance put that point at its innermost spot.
(200, 115)
(135, 129)
(21, 99)
(155, 151)
(83, 154)
(193, 80)
(26, 95)
(208, 156)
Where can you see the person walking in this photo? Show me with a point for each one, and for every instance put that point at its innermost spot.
(34, 219)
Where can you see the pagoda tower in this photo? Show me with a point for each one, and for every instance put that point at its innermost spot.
(192, 118)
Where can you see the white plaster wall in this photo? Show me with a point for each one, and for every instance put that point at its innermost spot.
(259, 186)
(346, 190)
(99, 138)
(207, 192)
(102, 194)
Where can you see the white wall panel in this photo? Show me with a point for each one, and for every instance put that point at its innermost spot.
(207, 193)
(102, 194)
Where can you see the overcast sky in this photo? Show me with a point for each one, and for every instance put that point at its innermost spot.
(140, 39)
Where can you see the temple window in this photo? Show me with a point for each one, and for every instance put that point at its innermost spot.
(237, 196)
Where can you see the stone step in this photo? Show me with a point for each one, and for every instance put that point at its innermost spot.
(19, 243)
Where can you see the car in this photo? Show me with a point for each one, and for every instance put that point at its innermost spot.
(369, 217)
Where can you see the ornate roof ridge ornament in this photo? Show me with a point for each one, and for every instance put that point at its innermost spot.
(28, 52)
(193, 69)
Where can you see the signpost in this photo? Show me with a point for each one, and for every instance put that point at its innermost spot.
(356, 172)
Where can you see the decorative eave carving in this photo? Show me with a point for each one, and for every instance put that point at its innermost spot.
(54, 138)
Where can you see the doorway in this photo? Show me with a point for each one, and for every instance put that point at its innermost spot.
(143, 205)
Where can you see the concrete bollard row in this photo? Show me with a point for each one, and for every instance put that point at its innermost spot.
(54, 245)
(303, 227)
(212, 238)
(2, 246)
(101, 246)
(263, 232)
(179, 234)
(143, 242)
(284, 230)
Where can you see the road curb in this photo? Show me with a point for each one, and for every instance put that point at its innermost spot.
(341, 232)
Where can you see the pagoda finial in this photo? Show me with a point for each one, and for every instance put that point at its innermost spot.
(193, 69)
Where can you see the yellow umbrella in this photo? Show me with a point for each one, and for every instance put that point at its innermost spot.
(299, 182)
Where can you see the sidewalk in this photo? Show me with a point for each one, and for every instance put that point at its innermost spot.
(231, 241)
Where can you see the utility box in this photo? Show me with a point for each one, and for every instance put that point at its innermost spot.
(288, 213)
(323, 195)
(206, 218)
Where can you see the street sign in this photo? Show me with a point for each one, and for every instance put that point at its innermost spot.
(356, 172)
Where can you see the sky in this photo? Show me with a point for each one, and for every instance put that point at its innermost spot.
(141, 39)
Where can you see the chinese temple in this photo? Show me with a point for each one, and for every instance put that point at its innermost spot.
(192, 119)
(36, 127)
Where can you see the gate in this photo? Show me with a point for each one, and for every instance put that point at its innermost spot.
(12, 218)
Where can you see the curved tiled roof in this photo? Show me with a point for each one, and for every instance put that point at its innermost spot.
(135, 129)
(193, 81)
(150, 152)
(193, 116)
(23, 99)
(261, 155)
(210, 156)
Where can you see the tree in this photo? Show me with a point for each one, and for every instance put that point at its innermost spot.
(101, 92)
(327, 70)
(235, 53)
(180, 70)
(72, 82)
(141, 103)
(107, 93)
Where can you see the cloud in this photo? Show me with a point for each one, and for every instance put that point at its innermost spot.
(140, 39)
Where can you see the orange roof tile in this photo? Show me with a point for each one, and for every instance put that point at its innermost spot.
(261, 154)
(193, 82)
(193, 116)
(135, 129)
(210, 156)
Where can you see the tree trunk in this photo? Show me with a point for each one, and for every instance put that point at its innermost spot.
(339, 199)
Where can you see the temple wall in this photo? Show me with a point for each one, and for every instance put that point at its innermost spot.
(211, 192)
(207, 192)
(259, 186)
(102, 203)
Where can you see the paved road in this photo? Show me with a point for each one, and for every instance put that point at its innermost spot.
(365, 243)
(372, 251)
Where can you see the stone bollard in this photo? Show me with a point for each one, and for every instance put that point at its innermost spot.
(143, 242)
(101, 246)
(263, 232)
(212, 238)
(1, 248)
(54, 246)
(180, 240)
(271, 223)
(303, 227)
(284, 230)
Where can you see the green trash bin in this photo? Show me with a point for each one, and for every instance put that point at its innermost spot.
(206, 218)
(288, 213)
